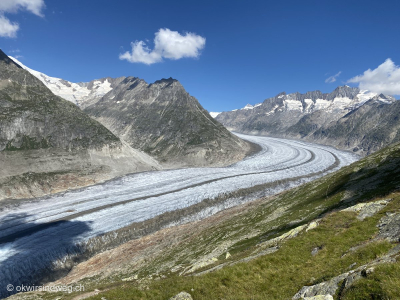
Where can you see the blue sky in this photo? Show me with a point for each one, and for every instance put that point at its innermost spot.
(253, 49)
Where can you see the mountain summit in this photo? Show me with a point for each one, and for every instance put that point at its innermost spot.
(48, 144)
(163, 120)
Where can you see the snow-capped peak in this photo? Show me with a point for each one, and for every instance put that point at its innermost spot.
(74, 92)
(384, 99)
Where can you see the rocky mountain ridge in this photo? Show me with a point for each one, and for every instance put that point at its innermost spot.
(314, 116)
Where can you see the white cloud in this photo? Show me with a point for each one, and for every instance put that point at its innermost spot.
(13, 6)
(384, 79)
(332, 79)
(167, 44)
(141, 54)
(8, 28)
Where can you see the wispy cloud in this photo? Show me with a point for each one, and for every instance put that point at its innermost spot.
(384, 79)
(332, 79)
(8, 28)
(167, 44)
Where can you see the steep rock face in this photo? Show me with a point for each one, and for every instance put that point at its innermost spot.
(45, 134)
(163, 120)
(329, 118)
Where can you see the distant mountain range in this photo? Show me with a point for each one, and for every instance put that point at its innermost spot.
(347, 118)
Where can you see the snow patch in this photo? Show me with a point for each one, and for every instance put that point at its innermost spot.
(321, 104)
(214, 114)
(341, 103)
(272, 110)
(248, 106)
(363, 96)
(309, 105)
(293, 105)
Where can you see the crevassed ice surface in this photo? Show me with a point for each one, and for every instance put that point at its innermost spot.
(107, 207)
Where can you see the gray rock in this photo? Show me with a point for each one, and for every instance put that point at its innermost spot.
(389, 227)
(369, 209)
(319, 297)
(352, 266)
(182, 296)
(315, 251)
(328, 288)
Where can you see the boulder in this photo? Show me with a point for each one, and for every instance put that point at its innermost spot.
(182, 296)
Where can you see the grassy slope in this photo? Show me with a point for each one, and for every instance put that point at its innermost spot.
(281, 274)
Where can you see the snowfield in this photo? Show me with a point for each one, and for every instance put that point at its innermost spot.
(74, 92)
(38, 234)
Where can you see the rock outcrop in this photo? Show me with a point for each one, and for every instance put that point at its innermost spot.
(182, 296)
(389, 227)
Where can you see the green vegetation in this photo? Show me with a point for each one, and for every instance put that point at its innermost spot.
(281, 274)
(383, 283)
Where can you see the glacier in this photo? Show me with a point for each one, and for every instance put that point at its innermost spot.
(38, 234)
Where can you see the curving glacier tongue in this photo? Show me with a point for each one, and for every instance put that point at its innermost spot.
(38, 236)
